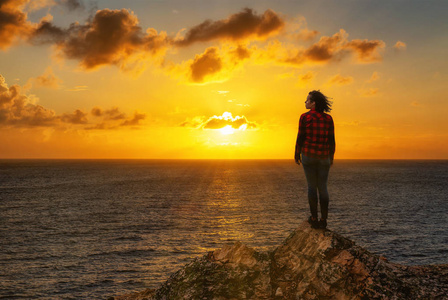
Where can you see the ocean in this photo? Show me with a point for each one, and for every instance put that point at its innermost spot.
(91, 229)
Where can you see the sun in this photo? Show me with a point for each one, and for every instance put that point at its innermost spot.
(228, 129)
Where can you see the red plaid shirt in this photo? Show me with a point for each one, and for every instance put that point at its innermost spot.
(316, 135)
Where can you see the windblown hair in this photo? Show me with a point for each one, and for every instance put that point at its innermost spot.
(323, 104)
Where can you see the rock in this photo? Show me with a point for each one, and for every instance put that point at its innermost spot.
(309, 264)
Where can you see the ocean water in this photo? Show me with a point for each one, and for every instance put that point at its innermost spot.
(97, 228)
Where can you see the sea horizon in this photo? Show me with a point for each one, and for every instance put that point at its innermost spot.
(205, 159)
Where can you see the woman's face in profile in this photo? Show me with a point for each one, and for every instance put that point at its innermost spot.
(308, 103)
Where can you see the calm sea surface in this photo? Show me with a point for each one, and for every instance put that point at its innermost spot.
(94, 229)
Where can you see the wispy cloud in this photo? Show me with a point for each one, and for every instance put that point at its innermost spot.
(368, 92)
(305, 79)
(375, 76)
(78, 88)
(338, 79)
(399, 45)
(48, 79)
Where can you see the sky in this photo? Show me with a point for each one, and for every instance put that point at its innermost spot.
(155, 79)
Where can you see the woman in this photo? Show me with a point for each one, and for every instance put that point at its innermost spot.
(315, 147)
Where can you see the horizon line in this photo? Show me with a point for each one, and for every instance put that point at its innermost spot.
(204, 159)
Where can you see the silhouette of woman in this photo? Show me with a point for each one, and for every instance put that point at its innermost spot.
(315, 147)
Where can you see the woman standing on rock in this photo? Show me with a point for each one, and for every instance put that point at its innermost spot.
(315, 147)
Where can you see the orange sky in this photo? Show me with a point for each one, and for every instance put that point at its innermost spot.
(217, 79)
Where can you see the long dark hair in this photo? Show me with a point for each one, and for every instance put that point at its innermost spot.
(323, 104)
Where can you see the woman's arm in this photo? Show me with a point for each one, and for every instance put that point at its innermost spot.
(300, 140)
(332, 141)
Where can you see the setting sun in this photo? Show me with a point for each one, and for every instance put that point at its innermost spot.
(228, 129)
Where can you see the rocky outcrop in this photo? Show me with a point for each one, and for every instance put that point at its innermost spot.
(309, 264)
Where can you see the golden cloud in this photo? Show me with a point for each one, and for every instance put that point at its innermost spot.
(331, 48)
(135, 120)
(77, 117)
(297, 30)
(326, 48)
(20, 110)
(217, 64)
(368, 92)
(219, 122)
(114, 37)
(305, 79)
(338, 79)
(109, 114)
(48, 79)
(13, 22)
(375, 76)
(17, 109)
(240, 26)
(366, 51)
(205, 65)
(111, 37)
(399, 45)
(214, 65)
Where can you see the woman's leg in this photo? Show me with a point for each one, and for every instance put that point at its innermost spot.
(311, 173)
(322, 179)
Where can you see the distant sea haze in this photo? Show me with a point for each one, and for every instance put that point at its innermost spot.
(92, 229)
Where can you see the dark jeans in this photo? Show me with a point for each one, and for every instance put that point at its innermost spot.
(316, 172)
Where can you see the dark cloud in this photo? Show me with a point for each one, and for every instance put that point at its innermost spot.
(365, 50)
(77, 117)
(108, 114)
(111, 37)
(334, 48)
(135, 121)
(237, 27)
(325, 49)
(97, 111)
(205, 64)
(241, 53)
(111, 116)
(46, 33)
(13, 22)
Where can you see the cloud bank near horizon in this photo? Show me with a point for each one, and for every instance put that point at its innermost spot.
(20, 110)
